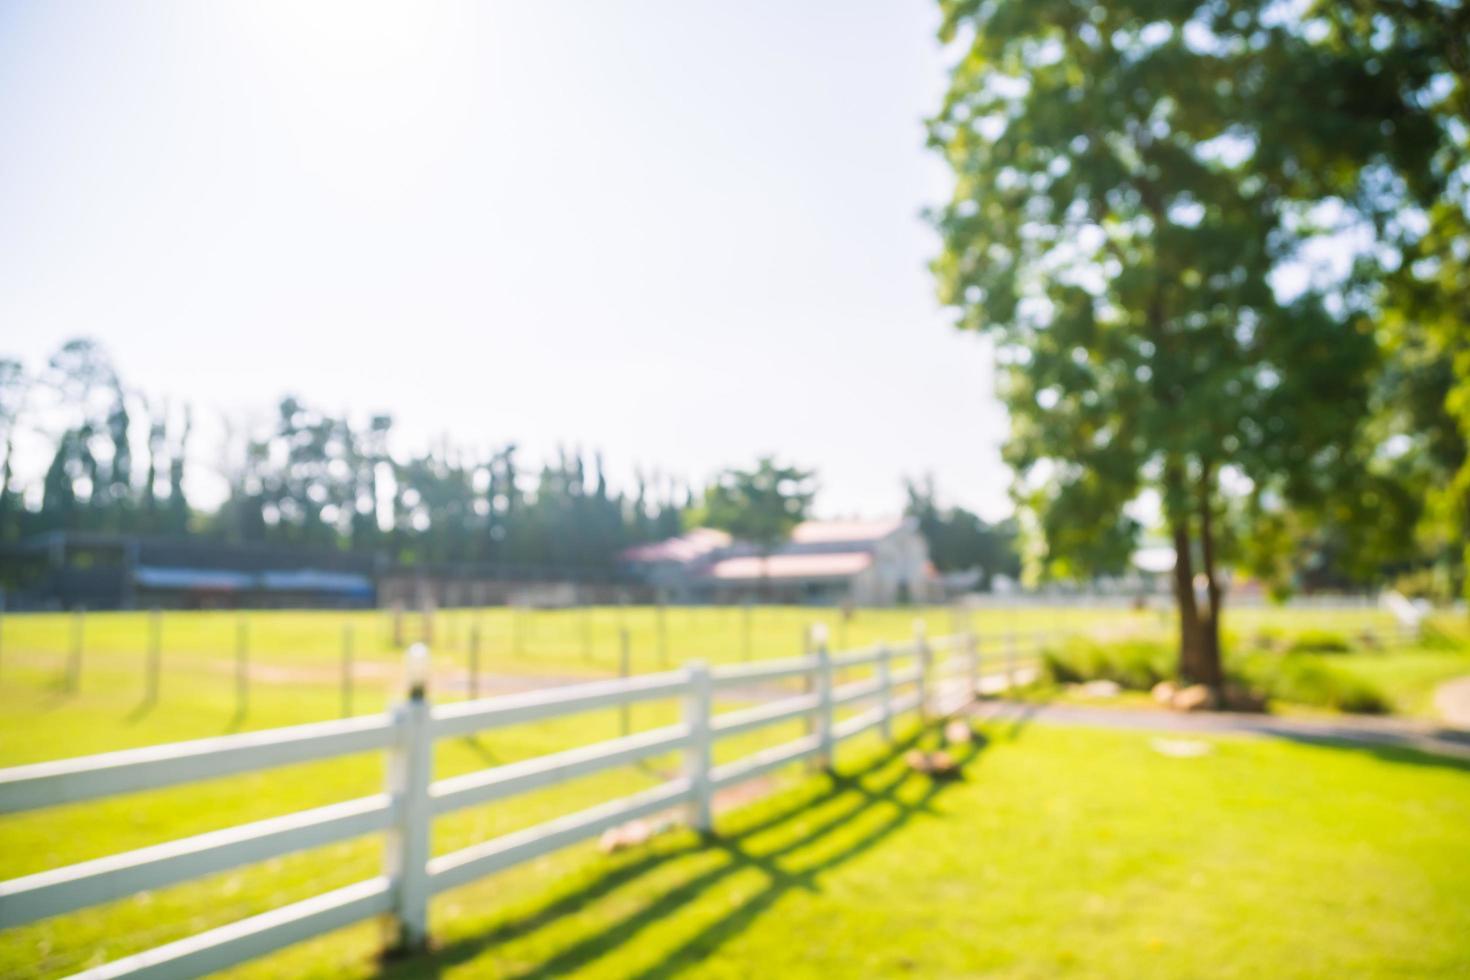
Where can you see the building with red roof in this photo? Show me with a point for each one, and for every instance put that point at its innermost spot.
(861, 562)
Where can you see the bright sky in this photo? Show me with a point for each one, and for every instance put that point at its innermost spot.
(685, 233)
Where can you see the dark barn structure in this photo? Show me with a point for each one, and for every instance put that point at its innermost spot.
(71, 570)
(109, 571)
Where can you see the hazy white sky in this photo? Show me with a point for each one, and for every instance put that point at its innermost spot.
(682, 232)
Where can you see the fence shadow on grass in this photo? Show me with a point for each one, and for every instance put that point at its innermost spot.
(852, 792)
(1452, 753)
(1418, 746)
(1007, 717)
(141, 710)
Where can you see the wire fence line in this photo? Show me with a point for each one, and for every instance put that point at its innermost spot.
(148, 652)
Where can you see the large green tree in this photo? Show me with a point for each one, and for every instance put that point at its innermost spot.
(1134, 185)
(1427, 296)
(1409, 512)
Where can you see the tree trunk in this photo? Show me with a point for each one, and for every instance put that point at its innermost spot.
(1191, 654)
(1210, 671)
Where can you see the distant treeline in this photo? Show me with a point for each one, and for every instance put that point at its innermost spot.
(119, 462)
(308, 478)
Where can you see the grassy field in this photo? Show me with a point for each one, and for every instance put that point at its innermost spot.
(295, 677)
(295, 660)
(1062, 852)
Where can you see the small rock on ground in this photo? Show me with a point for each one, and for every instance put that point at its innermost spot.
(1452, 701)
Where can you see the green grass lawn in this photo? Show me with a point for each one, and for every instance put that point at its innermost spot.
(295, 659)
(1063, 852)
(1086, 794)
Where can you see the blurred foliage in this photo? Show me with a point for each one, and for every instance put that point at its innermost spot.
(1426, 296)
(1299, 678)
(1133, 664)
(960, 541)
(760, 505)
(1138, 219)
(1319, 641)
(307, 477)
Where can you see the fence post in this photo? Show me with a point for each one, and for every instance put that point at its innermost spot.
(697, 705)
(972, 665)
(410, 766)
(474, 686)
(824, 696)
(624, 667)
(74, 662)
(924, 658)
(1010, 663)
(745, 631)
(587, 633)
(242, 668)
(663, 635)
(885, 691)
(347, 670)
(155, 656)
(426, 618)
(809, 683)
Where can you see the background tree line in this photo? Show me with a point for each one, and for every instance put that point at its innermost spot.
(309, 478)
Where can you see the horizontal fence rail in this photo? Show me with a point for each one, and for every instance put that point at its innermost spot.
(921, 675)
(50, 784)
(67, 889)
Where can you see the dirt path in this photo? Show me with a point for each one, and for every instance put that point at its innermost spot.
(1379, 732)
(1452, 701)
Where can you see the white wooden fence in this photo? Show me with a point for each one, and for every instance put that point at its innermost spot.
(924, 675)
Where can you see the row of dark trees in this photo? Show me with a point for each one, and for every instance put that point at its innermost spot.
(78, 407)
(314, 479)
(306, 478)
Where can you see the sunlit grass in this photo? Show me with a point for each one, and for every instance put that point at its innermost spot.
(1063, 852)
(294, 659)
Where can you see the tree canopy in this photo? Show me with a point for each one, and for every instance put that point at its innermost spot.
(961, 541)
(305, 477)
(1141, 192)
(760, 505)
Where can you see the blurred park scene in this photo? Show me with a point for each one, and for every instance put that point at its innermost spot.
(954, 488)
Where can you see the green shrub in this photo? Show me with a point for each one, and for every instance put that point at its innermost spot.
(1134, 664)
(1304, 679)
(1319, 641)
(1267, 639)
(1300, 678)
(1445, 632)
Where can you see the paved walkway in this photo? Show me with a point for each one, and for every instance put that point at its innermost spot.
(1380, 732)
(1452, 701)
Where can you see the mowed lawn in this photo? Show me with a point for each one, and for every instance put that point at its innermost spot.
(1041, 814)
(1062, 852)
(295, 662)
